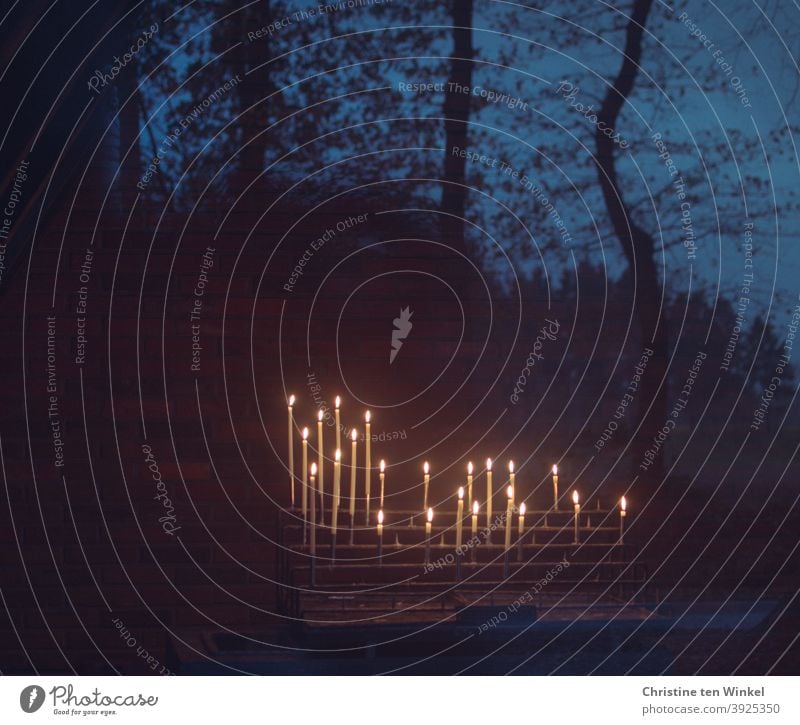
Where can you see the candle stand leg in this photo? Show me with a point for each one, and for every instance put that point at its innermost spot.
(458, 566)
(333, 549)
(352, 529)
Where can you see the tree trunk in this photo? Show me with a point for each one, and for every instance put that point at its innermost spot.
(639, 248)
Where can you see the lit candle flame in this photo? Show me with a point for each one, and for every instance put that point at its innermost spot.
(313, 469)
(291, 400)
(338, 401)
(555, 469)
(425, 467)
(511, 466)
(305, 433)
(380, 516)
(354, 435)
(475, 507)
(488, 464)
(320, 414)
(469, 468)
(623, 504)
(337, 455)
(575, 498)
(510, 492)
(430, 515)
(383, 465)
(367, 416)
(522, 509)
(461, 492)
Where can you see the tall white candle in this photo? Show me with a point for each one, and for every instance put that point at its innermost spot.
(426, 479)
(459, 516)
(353, 466)
(623, 512)
(313, 511)
(577, 508)
(304, 493)
(320, 465)
(383, 480)
(509, 513)
(555, 487)
(512, 478)
(521, 530)
(291, 448)
(475, 509)
(338, 424)
(367, 461)
(489, 494)
(469, 481)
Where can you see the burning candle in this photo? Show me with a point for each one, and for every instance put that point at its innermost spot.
(338, 423)
(623, 512)
(426, 479)
(291, 448)
(512, 476)
(353, 462)
(521, 530)
(577, 506)
(555, 487)
(380, 536)
(475, 508)
(469, 481)
(313, 511)
(383, 479)
(337, 468)
(320, 465)
(304, 495)
(428, 536)
(489, 495)
(509, 510)
(459, 516)
(367, 462)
